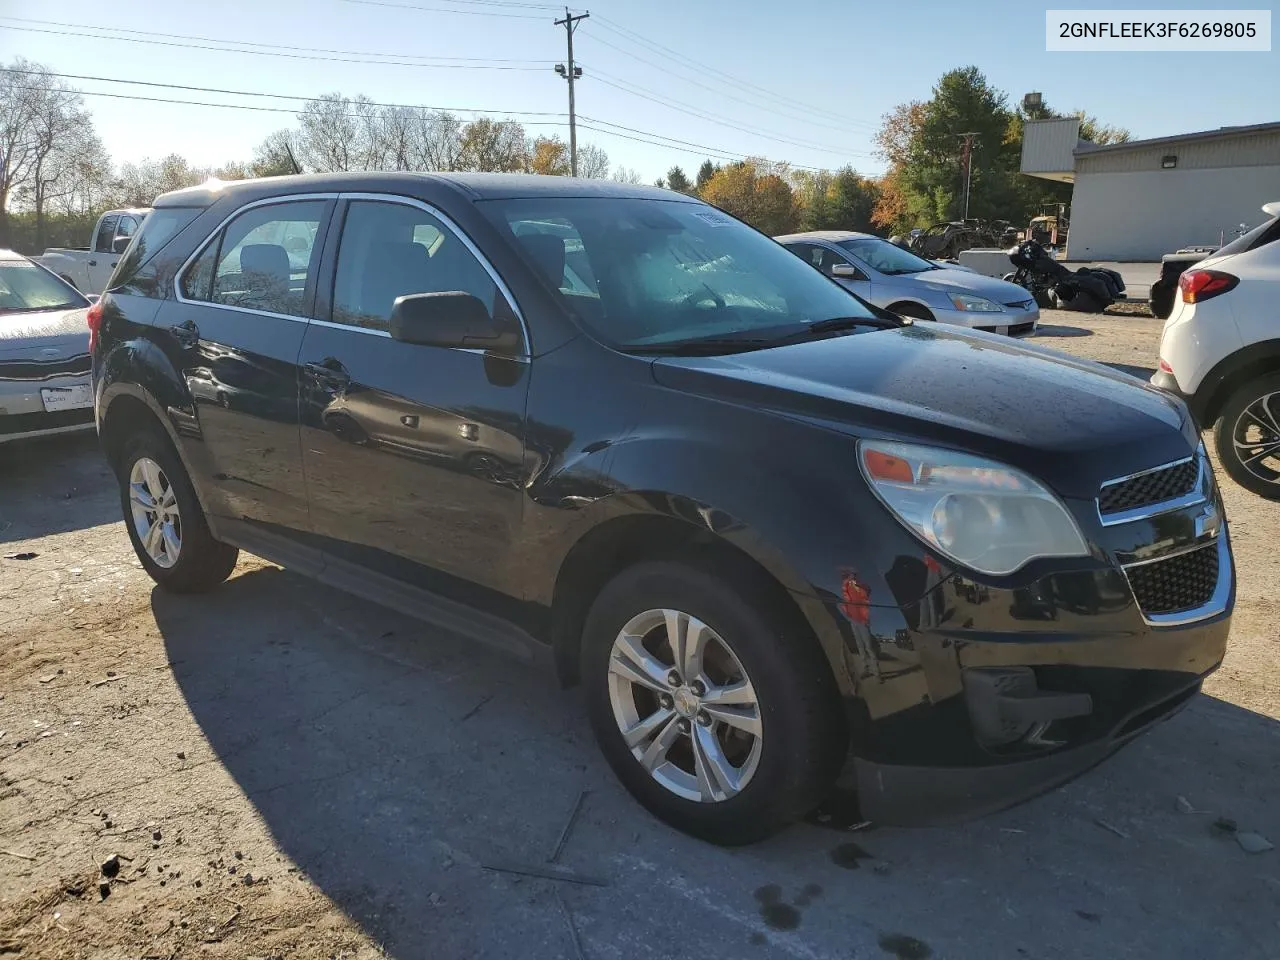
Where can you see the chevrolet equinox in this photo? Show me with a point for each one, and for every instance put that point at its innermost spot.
(786, 541)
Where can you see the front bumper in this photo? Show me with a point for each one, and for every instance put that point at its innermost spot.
(1015, 323)
(23, 412)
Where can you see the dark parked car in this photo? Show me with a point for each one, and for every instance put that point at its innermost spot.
(782, 538)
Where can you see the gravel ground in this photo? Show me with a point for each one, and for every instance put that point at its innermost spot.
(286, 771)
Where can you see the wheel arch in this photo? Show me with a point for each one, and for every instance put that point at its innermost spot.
(668, 532)
(917, 305)
(1229, 374)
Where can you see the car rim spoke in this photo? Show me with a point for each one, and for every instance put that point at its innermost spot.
(1266, 451)
(688, 638)
(152, 477)
(656, 753)
(169, 537)
(153, 539)
(746, 719)
(631, 661)
(740, 694)
(717, 779)
(645, 729)
(138, 494)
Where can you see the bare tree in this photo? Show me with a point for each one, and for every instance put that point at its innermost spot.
(277, 155)
(329, 135)
(20, 96)
(58, 117)
(593, 162)
(625, 175)
(437, 141)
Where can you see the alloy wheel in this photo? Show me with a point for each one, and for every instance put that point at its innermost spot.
(1256, 438)
(685, 706)
(154, 507)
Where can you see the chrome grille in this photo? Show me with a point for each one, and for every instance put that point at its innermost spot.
(1180, 583)
(1149, 488)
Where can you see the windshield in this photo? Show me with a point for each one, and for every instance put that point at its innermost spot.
(24, 286)
(885, 257)
(646, 273)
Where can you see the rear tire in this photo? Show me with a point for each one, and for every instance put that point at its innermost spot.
(1247, 436)
(729, 782)
(165, 521)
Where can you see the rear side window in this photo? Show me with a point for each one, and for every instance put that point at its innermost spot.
(137, 273)
(1259, 236)
(261, 260)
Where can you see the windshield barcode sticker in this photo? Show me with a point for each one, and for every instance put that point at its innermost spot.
(713, 217)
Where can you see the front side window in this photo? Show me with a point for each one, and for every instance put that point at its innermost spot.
(26, 288)
(645, 273)
(106, 233)
(391, 250)
(261, 260)
(885, 257)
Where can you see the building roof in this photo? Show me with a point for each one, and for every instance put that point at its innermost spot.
(1085, 147)
(479, 186)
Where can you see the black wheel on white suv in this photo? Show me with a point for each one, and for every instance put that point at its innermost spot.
(165, 521)
(1247, 436)
(716, 712)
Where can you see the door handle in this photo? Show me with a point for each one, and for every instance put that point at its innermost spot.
(93, 263)
(329, 373)
(186, 333)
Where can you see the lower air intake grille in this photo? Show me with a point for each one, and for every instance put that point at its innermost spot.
(1184, 582)
(1155, 486)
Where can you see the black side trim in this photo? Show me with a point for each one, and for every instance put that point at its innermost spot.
(29, 422)
(387, 591)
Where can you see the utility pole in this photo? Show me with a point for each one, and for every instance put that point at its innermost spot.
(572, 73)
(966, 152)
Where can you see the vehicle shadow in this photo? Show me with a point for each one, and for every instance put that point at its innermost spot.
(1132, 369)
(392, 762)
(54, 485)
(1061, 330)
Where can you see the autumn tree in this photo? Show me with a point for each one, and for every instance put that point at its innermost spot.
(549, 156)
(493, 146)
(749, 191)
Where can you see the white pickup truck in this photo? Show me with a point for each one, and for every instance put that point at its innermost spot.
(89, 268)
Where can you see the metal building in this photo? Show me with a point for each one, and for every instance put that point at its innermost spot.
(1138, 200)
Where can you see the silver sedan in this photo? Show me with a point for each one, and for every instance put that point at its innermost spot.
(898, 280)
(44, 353)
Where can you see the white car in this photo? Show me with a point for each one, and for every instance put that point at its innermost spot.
(1220, 351)
(89, 268)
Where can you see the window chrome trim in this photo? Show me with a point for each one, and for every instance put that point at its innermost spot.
(1217, 602)
(466, 242)
(186, 264)
(1196, 496)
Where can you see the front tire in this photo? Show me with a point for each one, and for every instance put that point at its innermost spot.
(1247, 436)
(715, 711)
(165, 522)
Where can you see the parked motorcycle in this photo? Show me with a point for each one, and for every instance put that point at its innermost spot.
(1088, 289)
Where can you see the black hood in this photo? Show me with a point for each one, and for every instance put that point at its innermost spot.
(1072, 423)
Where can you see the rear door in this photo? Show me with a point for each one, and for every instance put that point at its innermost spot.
(414, 454)
(234, 331)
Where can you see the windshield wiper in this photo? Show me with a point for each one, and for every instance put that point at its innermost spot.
(709, 346)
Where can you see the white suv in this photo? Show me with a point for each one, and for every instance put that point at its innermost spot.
(1220, 351)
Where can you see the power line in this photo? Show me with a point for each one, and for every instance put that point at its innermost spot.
(720, 93)
(270, 46)
(259, 109)
(623, 85)
(474, 13)
(736, 82)
(271, 53)
(259, 93)
(661, 140)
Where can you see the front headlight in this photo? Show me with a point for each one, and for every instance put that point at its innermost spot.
(983, 515)
(971, 304)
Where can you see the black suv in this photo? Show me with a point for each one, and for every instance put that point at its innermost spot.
(784, 540)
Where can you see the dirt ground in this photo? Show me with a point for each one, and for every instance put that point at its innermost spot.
(284, 771)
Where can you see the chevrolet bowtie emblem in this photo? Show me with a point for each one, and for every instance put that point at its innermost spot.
(1209, 522)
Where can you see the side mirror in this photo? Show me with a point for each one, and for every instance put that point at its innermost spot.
(452, 319)
(120, 244)
(846, 271)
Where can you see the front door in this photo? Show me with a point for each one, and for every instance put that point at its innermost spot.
(235, 332)
(414, 455)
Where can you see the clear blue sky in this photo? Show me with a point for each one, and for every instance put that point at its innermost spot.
(823, 79)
